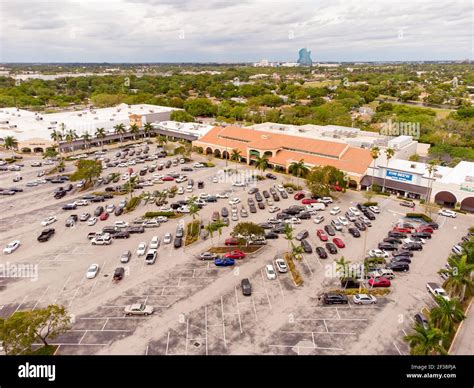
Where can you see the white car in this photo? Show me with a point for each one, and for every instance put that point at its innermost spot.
(325, 200)
(273, 209)
(378, 253)
(447, 213)
(293, 220)
(48, 221)
(92, 221)
(180, 190)
(138, 309)
(234, 201)
(161, 219)
(104, 239)
(198, 165)
(270, 202)
(183, 209)
(11, 247)
(280, 188)
(437, 291)
(155, 242)
(270, 272)
(141, 250)
(167, 238)
(110, 208)
(215, 180)
(409, 240)
(238, 184)
(82, 202)
(281, 265)
(181, 179)
(222, 195)
(335, 210)
(458, 250)
(343, 220)
(375, 209)
(318, 219)
(92, 271)
(364, 299)
(121, 224)
(355, 211)
(165, 208)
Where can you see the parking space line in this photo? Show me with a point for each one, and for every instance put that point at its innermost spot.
(331, 319)
(238, 310)
(167, 343)
(337, 311)
(281, 288)
(223, 323)
(265, 288)
(305, 347)
(254, 308)
(398, 350)
(22, 301)
(105, 324)
(146, 351)
(205, 328)
(187, 337)
(80, 341)
(41, 297)
(307, 265)
(326, 326)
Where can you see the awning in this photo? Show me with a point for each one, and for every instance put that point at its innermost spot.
(394, 185)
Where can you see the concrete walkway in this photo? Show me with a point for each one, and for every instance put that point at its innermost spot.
(463, 343)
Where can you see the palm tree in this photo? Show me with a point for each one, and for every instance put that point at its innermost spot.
(120, 130)
(134, 130)
(446, 314)
(56, 136)
(235, 155)
(297, 251)
(459, 283)
(261, 163)
(100, 134)
(10, 143)
(389, 152)
(71, 135)
(161, 140)
(427, 341)
(299, 169)
(431, 168)
(375, 153)
(288, 232)
(343, 265)
(148, 129)
(86, 137)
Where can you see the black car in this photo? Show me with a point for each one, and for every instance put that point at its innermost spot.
(401, 259)
(387, 246)
(98, 211)
(136, 229)
(118, 211)
(98, 198)
(211, 198)
(186, 168)
(392, 240)
(333, 298)
(200, 184)
(354, 231)
(349, 283)
(329, 230)
(178, 242)
(69, 206)
(413, 247)
(271, 176)
(253, 190)
(279, 229)
(252, 209)
(282, 216)
(284, 194)
(403, 252)
(433, 225)
(360, 225)
(306, 246)
(119, 273)
(294, 210)
(121, 235)
(304, 215)
(69, 187)
(369, 215)
(422, 320)
(46, 235)
(224, 212)
(266, 194)
(302, 235)
(361, 207)
(331, 248)
(396, 234)
(246, 287)
(271, 235)
(59, 194)
(398, 266)
(276, 198)
(261, 205)
(110, 230)
(321, 253)
(108, 196)
(425, 235)
(258, 197)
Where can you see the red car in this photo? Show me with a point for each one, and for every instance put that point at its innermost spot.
(339, 243)
(167, 178)
(336, 188)
(427, 229)
(231, 241)
(308, 201)
(322, 236)
(235, 254)
(104, 216)
(401, 230)
(299, 195)
(379, 282)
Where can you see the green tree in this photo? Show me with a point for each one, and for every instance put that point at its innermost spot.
(181, 116)
(100, 134)
(200, 107)
(446, 314)
(235, 155)
(57, 137)
(87, 170)
(298, 169)
(161, 140)
(71, 135)
(297, 251)
(375, 153)
(50, 153)
(86, 137)
(426, 341)
(134, 130)
(10, 143)
(247, 231)
(261, 163)
(320, 180)
(342, 267)
(148, 130)
(459, 282)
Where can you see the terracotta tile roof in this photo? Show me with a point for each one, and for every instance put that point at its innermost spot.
(340, 155)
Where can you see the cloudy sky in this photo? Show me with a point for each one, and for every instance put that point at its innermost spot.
(233, 30)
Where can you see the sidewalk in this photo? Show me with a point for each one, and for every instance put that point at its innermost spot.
(463, 343)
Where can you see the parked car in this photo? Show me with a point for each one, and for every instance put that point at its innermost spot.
(208, 256)
(322, 236)
(125, 256)
(331, 248)
(281, 265)
(338, 242)
(437, 291)
(235, 254)
(354, 232)
(334, 298)
(92, 271)
(329, 230)
(379, 282)
(422, 320)
(302, 235)
(306, 246)
(46, 235)
(321, 252)
(270, 272)
(407, 204)
(364, 299)
(246, 287)
(224, 262)
(138, 309)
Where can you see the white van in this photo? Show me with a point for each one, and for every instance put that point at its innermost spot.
(155, 243)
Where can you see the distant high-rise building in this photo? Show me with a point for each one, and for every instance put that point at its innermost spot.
(304, 57)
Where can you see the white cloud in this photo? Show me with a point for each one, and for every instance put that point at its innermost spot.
(222, 30)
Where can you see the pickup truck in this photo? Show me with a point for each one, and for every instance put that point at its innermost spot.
(437, 291)
(150, 257)
(45, 235)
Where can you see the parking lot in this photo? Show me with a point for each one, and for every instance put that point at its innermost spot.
(199, 308)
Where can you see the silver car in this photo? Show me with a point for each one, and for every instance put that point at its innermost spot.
(138, 309)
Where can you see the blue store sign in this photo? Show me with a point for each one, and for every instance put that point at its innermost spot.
(399, 176)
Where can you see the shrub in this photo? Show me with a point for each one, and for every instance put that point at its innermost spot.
(293, 186)
(132, 204)
(370, 203)
(164, 214)
(208, 164)
(424, 217)
(294, 272)
(192, 232)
